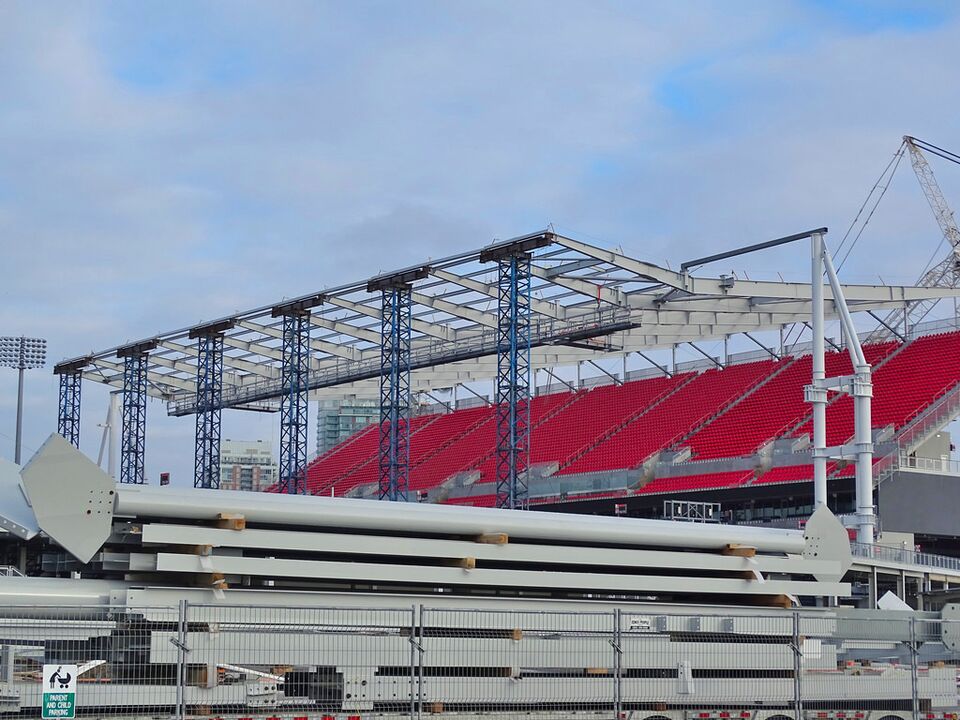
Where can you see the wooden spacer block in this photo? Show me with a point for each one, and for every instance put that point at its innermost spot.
(596, 671)
(492, 539)
(215, 580)
(435, 707)
(780, 601)
(738, 550)
(231, 521)
(467, 563)
(201, 549)
(516, 634)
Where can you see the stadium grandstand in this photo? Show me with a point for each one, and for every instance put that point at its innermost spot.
(701, 432)
(731, 430)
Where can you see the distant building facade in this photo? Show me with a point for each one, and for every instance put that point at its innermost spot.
(339, 418)
(247, 465)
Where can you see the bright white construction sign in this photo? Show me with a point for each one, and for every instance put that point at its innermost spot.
(59, 692)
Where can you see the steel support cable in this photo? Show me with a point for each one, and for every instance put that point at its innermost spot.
(894, 162)
(866, 200)
(936, 150)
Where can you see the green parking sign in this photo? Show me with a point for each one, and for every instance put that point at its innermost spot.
(59, 692)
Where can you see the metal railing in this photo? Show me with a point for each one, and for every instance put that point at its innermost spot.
(428, 353)
(940, 466)
(904, 556)
(943, 409)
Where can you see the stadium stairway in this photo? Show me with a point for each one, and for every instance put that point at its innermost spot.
(434, 465)
(905, 383)
(679, 381)
(548, 412)
(672, 419)
(366, 468)
(769, 411)
(707, 441)
(611, 408)
(354, 449)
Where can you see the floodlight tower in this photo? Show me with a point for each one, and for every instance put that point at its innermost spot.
(21, 353)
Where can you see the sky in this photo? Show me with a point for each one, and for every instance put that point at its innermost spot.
(164, 163)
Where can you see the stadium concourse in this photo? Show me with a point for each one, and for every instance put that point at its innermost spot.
(698, 433)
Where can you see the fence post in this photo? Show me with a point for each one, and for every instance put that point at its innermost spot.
(413, 660)
(617, 666)
(420, 663)
(797, 645)
(914, 679)
(182, 625)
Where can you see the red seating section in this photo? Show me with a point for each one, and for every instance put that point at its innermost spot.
(692, 483)
(788, 473)
(488, 500)
(676, 416)
(902, 387)
(717, 413)
(580, 424)
(357, 463)
(323, 471)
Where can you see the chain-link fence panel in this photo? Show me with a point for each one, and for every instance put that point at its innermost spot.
(637, 663)
(60, 663)
(873, 666)
(706, 663)
(295, 660)
(514, 662)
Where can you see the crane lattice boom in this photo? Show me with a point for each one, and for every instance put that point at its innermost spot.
(945, 273)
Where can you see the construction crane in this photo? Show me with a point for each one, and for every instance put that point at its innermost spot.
(945, 273)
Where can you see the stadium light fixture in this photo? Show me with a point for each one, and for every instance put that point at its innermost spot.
(21, 353)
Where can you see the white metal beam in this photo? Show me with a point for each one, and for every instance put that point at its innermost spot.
(754, 288)
(436, 330)
(588, 289)
(249, 367)
(466, 312)
(541, 307)
(344, 351)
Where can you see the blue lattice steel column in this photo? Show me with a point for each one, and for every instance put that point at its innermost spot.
(395, 335)
(134, 411)
(68, 417)
(209, 393)
(513, 380)
(513, 260)
(395, 393)
(293, 402)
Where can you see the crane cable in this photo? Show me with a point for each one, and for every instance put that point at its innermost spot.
(936, 150)
(894, 163)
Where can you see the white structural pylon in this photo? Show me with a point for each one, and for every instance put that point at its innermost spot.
(111, 431)
(858, 385)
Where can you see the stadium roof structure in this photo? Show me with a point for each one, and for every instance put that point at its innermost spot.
(585, 301)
